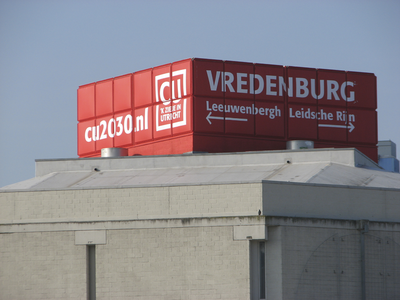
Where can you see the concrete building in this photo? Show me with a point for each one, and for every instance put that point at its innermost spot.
(293, 224)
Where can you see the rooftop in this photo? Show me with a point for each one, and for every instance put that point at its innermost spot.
(343, 167)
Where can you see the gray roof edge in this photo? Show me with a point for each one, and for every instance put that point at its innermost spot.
(261, 182)
(345, 156)
(363, 161)
(328, 185)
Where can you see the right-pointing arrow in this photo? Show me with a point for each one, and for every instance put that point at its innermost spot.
(351, 126)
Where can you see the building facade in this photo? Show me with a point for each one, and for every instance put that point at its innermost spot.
(294, 224)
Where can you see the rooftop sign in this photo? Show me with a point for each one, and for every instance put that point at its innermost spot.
(225, 106)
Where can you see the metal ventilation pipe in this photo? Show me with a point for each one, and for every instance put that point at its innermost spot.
(299, 144)
(114, 152)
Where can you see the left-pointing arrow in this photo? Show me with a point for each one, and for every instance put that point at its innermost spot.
(222, 118)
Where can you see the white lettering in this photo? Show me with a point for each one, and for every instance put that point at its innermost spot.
(87, 138)
(111, 128)
(228, 79)
(282, 86)
(309, 114)
(270, 85)
(128, 124)
(242, 109)
(162, 97)
(321, 89)
(301, 87)
(274, 86)
(343, 91)
(241, 82)
(331, 89)
(213, 83)
(103, 132)
(260, 84)
(119, 125)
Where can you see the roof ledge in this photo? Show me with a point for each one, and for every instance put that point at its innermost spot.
(343, 156)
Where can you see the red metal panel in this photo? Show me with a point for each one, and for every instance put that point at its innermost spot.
(207, 77)
(123, 93)
(209, 114)
(298, 85)
(181, 88)
(176, 145)
(371, 151)
(182, 80)
(182, 115)
(238, 106)
(86, 102)
(266, 82)
(302, 122)
(269, 119)
(364, 123)
(239, 117)
(224, 143)
(104, 97)
(162, 100)
(123, 129)
(104, 132)
(143, 124)
(142, 88)
(86, 145)
(238, 80)
(361, 90)
(329, 88)
(332, 124)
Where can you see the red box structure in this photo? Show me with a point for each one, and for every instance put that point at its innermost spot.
(205, 105)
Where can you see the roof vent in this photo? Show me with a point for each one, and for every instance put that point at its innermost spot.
(299, 144)
(114, 152)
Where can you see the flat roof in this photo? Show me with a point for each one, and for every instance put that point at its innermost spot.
(347, 167)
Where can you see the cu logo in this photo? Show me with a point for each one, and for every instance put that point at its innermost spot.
(168, 89)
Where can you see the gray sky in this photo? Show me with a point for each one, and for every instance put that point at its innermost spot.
(49, 48)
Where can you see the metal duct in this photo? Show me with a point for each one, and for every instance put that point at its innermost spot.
(114, 152)
(299, 144)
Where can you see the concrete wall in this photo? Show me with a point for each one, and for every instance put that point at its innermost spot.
(321, 259)
(192, 242)
(131, 203)
(190, 261)
(173, 263)
(331, 202)
(42, 265)
(199, 258)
